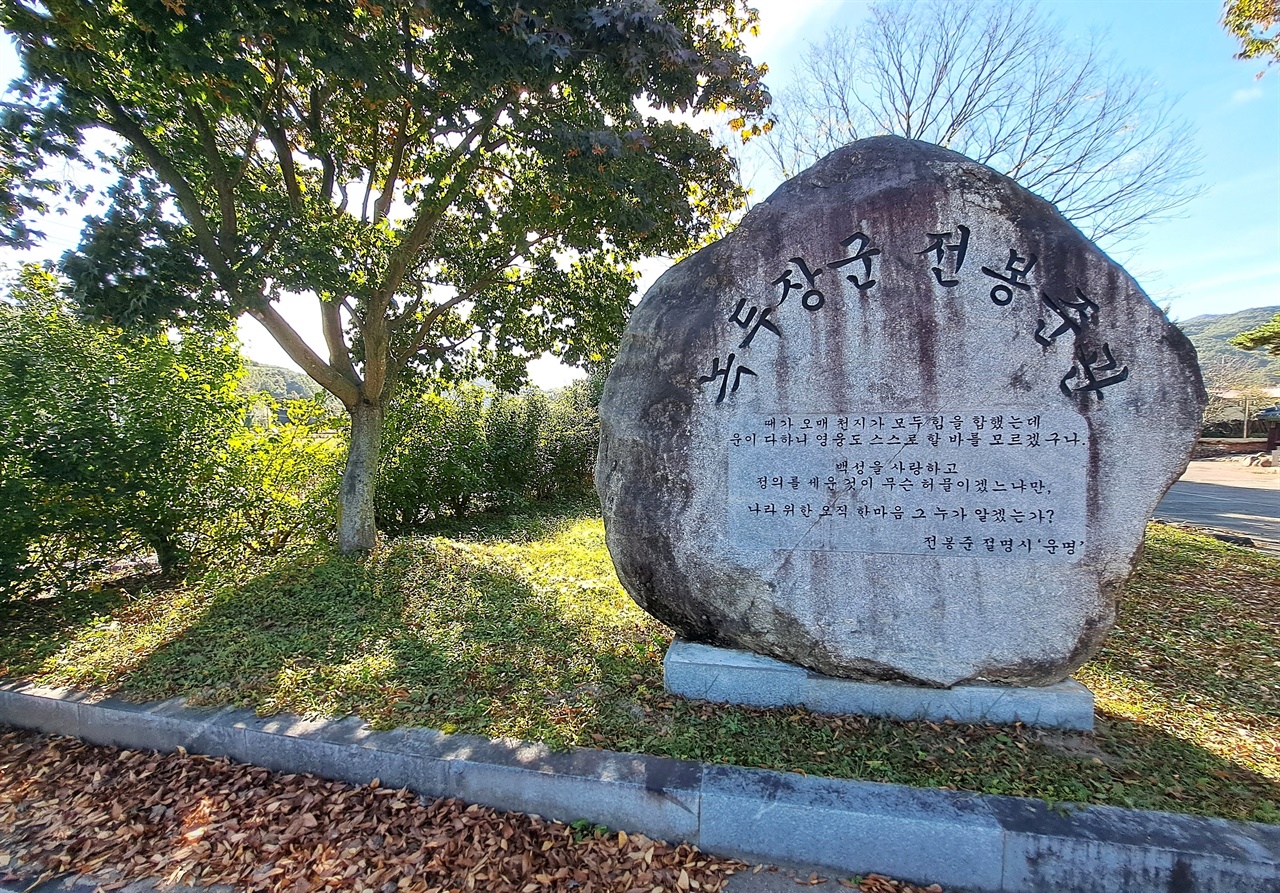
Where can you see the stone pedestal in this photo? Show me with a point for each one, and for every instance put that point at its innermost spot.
(728, 675)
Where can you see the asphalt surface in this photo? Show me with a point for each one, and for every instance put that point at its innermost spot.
(1229, 496)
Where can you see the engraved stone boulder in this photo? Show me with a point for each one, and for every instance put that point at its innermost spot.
(904, 423)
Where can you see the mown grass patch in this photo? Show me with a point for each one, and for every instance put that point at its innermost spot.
(520, 628)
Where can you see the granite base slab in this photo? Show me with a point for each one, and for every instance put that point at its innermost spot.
(710, 673)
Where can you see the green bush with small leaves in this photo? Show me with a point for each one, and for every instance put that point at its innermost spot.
(280, 479)
(113, 442)
(450, 452)
(433, 457)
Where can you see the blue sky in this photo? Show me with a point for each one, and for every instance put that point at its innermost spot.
(1221, 255)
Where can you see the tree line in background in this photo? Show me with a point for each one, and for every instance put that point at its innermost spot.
(121, 445)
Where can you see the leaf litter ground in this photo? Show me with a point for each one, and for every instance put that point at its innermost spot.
(120, 816)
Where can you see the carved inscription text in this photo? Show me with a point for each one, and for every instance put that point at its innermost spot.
(980, 484)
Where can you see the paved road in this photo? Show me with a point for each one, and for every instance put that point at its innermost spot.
(1229, 496)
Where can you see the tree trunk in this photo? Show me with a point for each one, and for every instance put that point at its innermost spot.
(357, 531)
(168, 555)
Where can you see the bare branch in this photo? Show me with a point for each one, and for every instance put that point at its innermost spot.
(995, 81)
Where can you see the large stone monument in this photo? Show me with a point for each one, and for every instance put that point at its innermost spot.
(905, 423)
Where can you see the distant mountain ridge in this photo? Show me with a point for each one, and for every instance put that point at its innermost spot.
(281, 383)
(1211, 333)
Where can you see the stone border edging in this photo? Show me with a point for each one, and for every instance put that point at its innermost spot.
(734, 676)
(963, 841)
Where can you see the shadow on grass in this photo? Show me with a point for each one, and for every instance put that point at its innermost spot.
(1199, 625)
(34, 627)
(427, 632)
(530, 521)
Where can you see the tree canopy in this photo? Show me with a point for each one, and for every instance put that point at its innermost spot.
(1265, 336)
(997, 82)
(462, 183)
(1256, 24)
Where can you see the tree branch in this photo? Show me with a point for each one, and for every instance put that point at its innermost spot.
(339, 353)
(383, 205)
(302, 354)
(284, 154)
(124, 125)
(996, 82)
(315, 124)
(424, 328)
(432, 213)
(259, 125)
(218, 171)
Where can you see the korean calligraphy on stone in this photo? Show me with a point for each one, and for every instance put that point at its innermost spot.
(1016, 270)
(864, 253)
(811, 298)
(1093, 371)
(942, 246)
(761, 321)
(1074, 314)
(723, 375)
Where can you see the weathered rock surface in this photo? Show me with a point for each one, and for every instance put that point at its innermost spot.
(905, 422)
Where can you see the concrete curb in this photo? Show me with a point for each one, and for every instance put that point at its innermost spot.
(966, 842)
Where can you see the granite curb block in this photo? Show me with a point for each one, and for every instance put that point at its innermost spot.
(966, 842)
(733, 676)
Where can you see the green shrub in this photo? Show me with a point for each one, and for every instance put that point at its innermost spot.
(112, 443)
(568, 438)
(433, 456)
(280, 479)
(511, 430)
(452, 451)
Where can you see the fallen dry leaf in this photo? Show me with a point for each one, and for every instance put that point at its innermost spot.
(67, 807)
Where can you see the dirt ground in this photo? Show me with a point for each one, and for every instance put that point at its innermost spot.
(1232, 472)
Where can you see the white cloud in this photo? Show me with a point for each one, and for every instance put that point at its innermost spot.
(1248, 94)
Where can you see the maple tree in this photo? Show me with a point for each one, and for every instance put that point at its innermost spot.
(462, 184)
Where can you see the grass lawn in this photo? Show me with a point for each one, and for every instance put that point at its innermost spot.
(518, 627)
